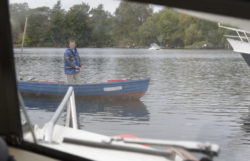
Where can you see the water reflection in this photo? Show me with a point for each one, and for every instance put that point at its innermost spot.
(193, 94)
(42, 103)
(246, 124)
(111, 111)
(37, 68)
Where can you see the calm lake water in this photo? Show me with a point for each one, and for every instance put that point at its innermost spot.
(201, 95)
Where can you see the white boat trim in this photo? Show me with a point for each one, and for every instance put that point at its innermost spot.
(188, 145)
(239, 43)
(87, 144)
(239, 46)
(108, 89)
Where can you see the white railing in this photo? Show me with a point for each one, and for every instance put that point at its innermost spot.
(241, 34)
(69, 100)
(210, 150)
(22, 107)
(207, 148)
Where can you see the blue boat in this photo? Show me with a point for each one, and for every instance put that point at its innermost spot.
(111, 90)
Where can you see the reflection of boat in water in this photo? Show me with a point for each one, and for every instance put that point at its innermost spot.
(135, 109)
(111, 90)
(154, 46)
(43, 103)
(246, 122)
(82, 143)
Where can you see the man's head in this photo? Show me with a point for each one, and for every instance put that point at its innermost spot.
(72, 44)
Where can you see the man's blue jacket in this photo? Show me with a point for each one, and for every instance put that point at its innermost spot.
(71, 59)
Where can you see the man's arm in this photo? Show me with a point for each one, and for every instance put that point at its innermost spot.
(79, 59)
(68, 61)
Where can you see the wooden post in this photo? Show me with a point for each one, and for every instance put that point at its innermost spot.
(68, 114)
(24, 32)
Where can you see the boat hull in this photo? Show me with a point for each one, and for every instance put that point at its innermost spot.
(246, 58)
(120, 90)
(241, 47)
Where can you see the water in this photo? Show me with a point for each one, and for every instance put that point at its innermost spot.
(201, 95)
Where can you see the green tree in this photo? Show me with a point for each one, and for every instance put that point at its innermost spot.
(149, 32)
(128, 18)
(56, 27)
(101, 25)
(38, 27)
(192, 34)
(76, 24)
(162, 28)
(133, 24)
(175, 30)
(18, 13)
(26, 40)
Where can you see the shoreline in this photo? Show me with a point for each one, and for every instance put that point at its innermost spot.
(43, 47)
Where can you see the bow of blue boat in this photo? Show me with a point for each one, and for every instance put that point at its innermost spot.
(125, 89)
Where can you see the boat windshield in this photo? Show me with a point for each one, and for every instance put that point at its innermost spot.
(132, 70)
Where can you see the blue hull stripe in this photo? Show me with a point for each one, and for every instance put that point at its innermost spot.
(120, 87)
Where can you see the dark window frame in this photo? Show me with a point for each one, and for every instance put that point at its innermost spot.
(10, 124)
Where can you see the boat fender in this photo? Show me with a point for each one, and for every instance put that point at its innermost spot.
(130, 136)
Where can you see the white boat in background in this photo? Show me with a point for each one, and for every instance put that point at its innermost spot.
(154, 46)
(99, 147)
(240, 42)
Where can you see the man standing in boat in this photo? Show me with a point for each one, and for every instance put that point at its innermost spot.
(72, 63)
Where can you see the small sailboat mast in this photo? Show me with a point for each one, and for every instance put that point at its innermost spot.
(24, 32)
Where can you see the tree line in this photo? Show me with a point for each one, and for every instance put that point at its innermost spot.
(132, 25)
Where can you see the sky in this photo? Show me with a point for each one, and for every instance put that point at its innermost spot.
(109, 5)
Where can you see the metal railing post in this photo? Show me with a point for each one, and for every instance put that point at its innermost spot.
(239, 35)
(246, 37)
(238, 31)
(68, 99)
(26, 117)
(67, 124)
(73, 111)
